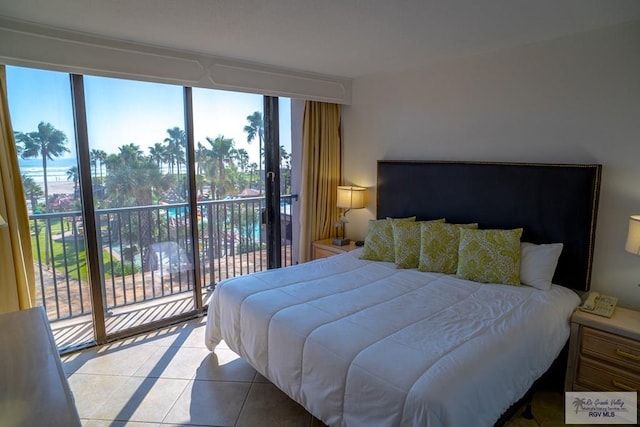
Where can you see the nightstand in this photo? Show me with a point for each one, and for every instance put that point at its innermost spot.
(604, 353)
(324, 248)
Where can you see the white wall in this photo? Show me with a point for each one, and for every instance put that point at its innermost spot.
(570, 100)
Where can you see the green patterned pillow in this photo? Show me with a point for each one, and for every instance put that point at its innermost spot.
(378, 245)
(439, 246)
(406, 242)
(490, 256)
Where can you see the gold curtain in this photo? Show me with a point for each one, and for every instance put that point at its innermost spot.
(321, 173)
(17, 282)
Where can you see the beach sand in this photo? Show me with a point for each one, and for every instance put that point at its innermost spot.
(59, 187)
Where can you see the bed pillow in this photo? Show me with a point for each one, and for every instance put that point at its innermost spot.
(490, 256)
(538, 264)
(406, 241)
(439, 244)
(378, 244)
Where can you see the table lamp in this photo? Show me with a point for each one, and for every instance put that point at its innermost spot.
(349, 197)
(633, 235)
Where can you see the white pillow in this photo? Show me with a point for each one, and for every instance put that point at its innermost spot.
(538, 264)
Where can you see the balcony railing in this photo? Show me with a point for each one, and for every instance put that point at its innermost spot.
(146, 252)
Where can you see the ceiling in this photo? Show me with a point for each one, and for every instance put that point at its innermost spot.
(346, 38)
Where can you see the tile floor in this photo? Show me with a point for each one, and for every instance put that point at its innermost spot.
(169, 378)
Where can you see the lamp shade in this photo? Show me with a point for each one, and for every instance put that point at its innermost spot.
(633, 236)
(3, 223)
(350, 197)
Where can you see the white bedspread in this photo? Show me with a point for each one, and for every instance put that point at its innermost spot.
(361, 343)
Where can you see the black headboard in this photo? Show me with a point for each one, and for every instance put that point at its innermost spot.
(552, 203)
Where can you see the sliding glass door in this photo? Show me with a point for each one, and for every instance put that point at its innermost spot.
(138, 173)
(233, 178)
(143, 196)
(229, 161)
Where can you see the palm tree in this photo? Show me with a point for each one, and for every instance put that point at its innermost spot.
(131, 181)
(94, 163)
(254, 129)
(32, 190)
(177, 143)
(120, 182)
(243, 159)
(98, 156)
(158, 153)
(72, 174)
(131, 184)
(129, 153)
(47, 142)
(221, 152)
(111, 162)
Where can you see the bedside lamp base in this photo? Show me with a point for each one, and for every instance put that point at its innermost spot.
(340, 242)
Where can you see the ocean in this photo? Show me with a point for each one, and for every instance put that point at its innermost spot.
(56, 169)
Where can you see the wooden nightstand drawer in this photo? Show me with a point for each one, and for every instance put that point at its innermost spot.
(612, 348)
(599, 376)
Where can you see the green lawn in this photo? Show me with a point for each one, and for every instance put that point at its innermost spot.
(69, 252)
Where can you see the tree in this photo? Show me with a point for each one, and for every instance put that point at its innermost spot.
(158, 153)
(97, 156)
(131, 181)
(72, 174)
(131, 184)
(131, 176)
(177, 143)
(32, 191)
(243, 159)
(254, 129)
(47, 142)
(221, 153)
(111, 162)
(94, 163)
(129, 153)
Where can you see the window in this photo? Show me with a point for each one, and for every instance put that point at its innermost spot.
(147, 196)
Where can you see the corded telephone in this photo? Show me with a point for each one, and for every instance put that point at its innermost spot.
(602, 305)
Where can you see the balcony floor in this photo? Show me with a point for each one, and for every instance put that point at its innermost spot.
(78, 331)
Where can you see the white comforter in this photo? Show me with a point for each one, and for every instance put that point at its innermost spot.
(361, 343)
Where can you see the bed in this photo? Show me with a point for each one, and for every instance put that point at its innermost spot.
(362, 342)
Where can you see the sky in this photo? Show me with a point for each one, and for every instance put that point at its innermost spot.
(124, 111)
